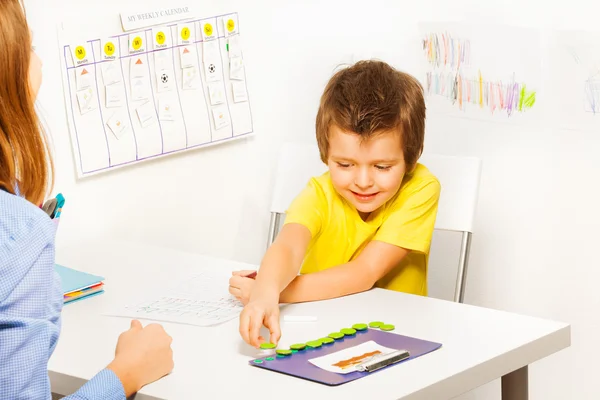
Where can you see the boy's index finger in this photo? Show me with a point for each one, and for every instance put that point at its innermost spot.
(256, 322)
(274, 328)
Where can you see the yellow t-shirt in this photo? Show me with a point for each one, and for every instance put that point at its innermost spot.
(339, 233)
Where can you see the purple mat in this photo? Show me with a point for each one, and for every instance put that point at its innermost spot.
(298, 365)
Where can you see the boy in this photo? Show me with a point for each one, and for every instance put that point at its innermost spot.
(366, 222)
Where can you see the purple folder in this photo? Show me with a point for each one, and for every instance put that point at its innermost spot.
(298, 365)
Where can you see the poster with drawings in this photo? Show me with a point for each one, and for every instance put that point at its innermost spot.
(161, 90)
(481, 71)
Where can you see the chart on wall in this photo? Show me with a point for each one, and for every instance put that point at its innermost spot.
(147, 93)
(481, 71)
(574, 65)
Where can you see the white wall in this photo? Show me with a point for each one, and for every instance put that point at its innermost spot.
(534, 247)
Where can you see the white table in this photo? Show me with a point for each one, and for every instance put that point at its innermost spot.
(479, 345)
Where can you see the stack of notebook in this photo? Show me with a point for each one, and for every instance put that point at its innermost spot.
(77, 285)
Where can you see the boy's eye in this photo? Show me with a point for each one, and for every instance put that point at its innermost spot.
(383, 167)
(343, 165)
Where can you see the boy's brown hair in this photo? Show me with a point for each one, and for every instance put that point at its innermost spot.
(371, 97)
(25, 162)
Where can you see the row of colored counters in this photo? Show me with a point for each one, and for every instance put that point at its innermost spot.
(330, 339)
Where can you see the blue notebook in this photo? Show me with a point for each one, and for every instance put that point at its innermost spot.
(77, 285)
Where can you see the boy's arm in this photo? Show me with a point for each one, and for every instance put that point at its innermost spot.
(280, 265)
(358, 275)
(282, 261)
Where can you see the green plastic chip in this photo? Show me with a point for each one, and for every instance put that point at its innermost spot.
(267, 346)
(326, 340)
(336, 335)
(348, 331)
(359, 327)
(387, 327)
(298, 346)
(315, 344)
(258, 361)
(282, 352)
(375, 324)
(294, 351)
(269, 359)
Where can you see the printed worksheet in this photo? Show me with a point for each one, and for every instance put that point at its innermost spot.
(201, 299)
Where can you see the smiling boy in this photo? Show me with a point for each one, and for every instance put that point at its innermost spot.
(369, 219)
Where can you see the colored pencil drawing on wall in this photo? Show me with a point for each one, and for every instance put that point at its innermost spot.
(478, 71)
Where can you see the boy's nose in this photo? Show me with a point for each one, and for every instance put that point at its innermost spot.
(363, 179)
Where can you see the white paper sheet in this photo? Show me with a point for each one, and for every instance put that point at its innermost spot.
(201, 299)
(345, 361)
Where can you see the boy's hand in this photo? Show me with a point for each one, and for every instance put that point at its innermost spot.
(240, 286)
(143, 355)
(263, 310)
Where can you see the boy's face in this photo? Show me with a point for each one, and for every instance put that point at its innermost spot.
(367, 173)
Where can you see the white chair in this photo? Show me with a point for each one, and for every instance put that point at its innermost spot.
(459, 178)
(297, 163)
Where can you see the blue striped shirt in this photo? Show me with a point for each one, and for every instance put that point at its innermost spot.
(30, 304)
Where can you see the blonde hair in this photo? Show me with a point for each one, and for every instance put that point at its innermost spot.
(25, 161)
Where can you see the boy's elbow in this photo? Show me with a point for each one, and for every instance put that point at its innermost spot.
(367, 278)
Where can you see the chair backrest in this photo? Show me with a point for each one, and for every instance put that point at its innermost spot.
(459, 178)
(296, 165)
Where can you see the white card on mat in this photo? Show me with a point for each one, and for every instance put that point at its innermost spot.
(346, 360)
(86, 100)
(147, 114)
(114, 96)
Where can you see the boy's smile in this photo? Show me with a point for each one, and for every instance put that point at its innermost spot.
(366, 172)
